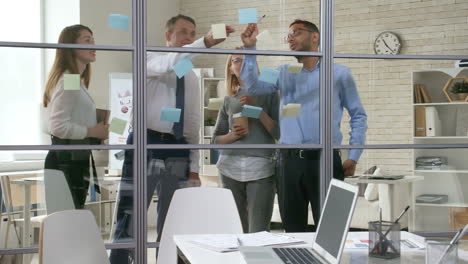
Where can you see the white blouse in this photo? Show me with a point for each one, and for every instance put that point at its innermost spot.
(70, 112)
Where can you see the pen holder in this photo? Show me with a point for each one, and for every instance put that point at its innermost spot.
(435, 249)
(384, 239)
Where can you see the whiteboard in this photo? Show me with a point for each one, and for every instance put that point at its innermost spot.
(121, 105)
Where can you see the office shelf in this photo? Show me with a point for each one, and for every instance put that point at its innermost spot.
(453, 130)
(442, 104)
(443, 205)
(441, 171)
(442, 137)
(210, 88)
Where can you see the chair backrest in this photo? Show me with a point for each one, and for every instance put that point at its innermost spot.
(71, 237)
(57, 193)
(198, 210)
(6, 200)
(6, 192)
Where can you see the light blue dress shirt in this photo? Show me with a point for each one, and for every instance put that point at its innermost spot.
(303, 88)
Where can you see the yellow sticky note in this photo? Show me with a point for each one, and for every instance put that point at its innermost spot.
(265, 36)
(215, 103)
(117, 126)
(291, 110)
(219, 31)
(264, 40)
(71, 82)
(295, 68)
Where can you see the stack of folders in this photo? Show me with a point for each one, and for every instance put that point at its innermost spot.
(427, 122)
(430, 163)
(421, 95)
(226, 243)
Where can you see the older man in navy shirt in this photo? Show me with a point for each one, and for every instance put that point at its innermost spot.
(298, 175)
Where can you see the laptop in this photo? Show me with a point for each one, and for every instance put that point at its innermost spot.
(330, 237)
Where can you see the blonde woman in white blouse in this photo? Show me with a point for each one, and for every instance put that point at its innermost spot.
(72, 113)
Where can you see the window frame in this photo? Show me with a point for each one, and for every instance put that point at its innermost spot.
(139, 48)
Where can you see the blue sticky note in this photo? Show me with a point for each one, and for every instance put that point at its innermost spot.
(170, 114)
(251, 111)
(361, 245)
(269, 75)
(247, 15)
(182, 67)
(118, 21)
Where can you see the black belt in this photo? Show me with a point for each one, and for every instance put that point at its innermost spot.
(162, 136)
(308, 154)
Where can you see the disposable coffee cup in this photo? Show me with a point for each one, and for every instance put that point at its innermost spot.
(243, 121)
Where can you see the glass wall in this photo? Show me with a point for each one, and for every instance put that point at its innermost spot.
(402, 65)
(397, 61)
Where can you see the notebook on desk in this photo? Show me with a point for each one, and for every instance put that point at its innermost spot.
(377, 177)
(330, 237)
(390, 177)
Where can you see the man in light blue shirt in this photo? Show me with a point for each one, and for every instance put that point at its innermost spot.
(298, 175)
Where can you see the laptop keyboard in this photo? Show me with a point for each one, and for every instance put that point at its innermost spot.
(296, 256)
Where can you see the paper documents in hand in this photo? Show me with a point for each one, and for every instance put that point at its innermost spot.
(226, 243)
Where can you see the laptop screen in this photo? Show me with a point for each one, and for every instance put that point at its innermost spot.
(334, 217)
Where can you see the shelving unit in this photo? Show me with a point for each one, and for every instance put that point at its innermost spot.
(443, 205)
(453, 179)
(209, 89)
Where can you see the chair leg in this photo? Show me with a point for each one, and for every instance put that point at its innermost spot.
(4, 231)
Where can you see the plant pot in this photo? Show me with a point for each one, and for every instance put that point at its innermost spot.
(462, 96)
(209, 130)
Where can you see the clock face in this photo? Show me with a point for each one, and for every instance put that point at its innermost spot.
(387, 43)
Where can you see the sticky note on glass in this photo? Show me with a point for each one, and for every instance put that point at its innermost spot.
(118, 21)
(219, 31)
(170, 114)
(251, 111)
(247, 15)
(117, 125)
(215, 103)
(269, 75)
(71, 82)
(183, 67)
(295, 67)
(264, 39)
(291, 110)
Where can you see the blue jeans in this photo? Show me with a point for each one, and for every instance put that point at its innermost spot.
(166, 168)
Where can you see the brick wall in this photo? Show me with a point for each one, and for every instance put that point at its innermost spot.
(424, 26)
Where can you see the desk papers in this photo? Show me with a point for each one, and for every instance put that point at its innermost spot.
(405, 244)
(226, 243)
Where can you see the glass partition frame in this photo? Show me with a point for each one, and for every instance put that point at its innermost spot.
(140, 146)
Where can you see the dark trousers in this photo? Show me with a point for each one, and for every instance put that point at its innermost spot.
(166, 168)
(75, 166)
(299, 184)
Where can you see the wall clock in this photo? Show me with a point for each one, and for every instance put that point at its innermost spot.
(387, 43)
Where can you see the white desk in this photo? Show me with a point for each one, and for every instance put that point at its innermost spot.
(27, 183)
(199, 255)
(391, 193)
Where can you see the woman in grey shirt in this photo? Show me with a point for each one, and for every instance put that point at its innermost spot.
(248, 173)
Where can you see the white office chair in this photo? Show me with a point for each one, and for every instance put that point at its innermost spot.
(58, 196)
(71, 237)
(199, 210)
